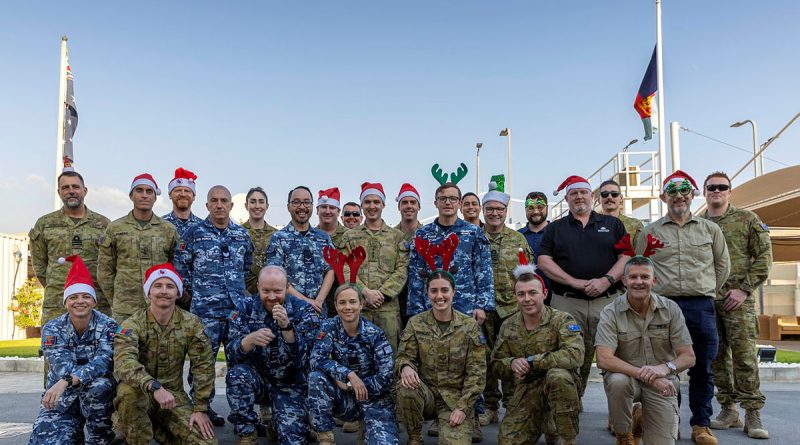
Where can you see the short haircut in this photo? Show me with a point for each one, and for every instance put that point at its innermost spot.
(471, 194)
(435, 275)
(537, 195)
(609, 182)
(70, 174)
(717, 175)
(219, 187)
(300, 187)
(638, 260)
(256, 190)
(351, 203)
(447, 185)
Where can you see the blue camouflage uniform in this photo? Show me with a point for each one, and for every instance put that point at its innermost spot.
(89, 357)
(180, 225)
(474, 278)
(369, 355)
(276, 372)
(300, 254)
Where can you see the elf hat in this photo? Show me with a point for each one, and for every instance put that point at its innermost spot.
(330, 197)
(183, 178)
(495, 192)
(369, 188)
(679, 176)
(161, 271)
(407, 191)
(145, 179)
(573, 182)
(78, 278)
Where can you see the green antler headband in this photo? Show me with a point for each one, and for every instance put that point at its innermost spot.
(441, 177)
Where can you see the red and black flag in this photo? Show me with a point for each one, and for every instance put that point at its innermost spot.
(644, 98)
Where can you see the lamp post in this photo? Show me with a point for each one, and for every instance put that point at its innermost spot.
(507, 133)
(758, 163)
(478, 146)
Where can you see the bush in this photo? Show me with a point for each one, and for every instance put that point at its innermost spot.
(28, 308)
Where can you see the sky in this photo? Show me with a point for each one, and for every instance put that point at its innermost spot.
(325, 94)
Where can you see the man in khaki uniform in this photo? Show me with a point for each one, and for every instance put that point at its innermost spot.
(736, 366)
(642, 343)
(611, 200)
(72, 230)
(130, 245)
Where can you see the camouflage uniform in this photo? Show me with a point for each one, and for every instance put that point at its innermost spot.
(276, 372)
(736, 366)
(336, 239)
(145, 351)
(557, 349)
(633, 226)
(369, 355)
(402, 297)
(452, 370)
(385, 270)
(180, 225)
(56, 235)
(260, 239)
(474, 284)
(127, 250)
(89, 357)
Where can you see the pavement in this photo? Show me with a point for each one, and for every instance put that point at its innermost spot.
(21, 392)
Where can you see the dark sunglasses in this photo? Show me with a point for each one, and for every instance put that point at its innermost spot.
(720, 187)
(352, 214)
(613, 194)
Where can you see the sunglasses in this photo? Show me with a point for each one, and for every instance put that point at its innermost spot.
(612, 194)
(352, 214)
(720, 187)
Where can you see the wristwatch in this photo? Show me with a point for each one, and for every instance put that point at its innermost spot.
(155, 385)
(530, 361)
(68, 378)
(673, 370)
(289, 327)
(610, 279)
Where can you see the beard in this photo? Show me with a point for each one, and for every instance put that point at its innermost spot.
(536, 219)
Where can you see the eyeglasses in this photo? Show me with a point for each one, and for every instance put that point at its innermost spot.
(720, 187)
(444, 199)
(613, 194)
(494, 209)
(352, 214)
(298, 203)
(685, 189)
(538, 203)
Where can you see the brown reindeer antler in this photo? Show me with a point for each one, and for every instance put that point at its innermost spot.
(336, 260)
(624, 244)
(354, 261)
(653, 244)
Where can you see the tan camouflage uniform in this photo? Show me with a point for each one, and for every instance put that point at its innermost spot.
(633, 226)
(260, 239)
(336, 238)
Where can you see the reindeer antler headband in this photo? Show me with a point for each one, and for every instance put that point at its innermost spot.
(625, 245)
(445, 250)
(441, 177)
(337, 260)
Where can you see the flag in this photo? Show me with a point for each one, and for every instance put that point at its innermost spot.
(644, 98)
(70, 120)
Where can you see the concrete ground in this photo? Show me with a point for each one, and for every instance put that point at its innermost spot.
(21, 393)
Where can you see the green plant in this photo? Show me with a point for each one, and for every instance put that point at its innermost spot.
(27, 305)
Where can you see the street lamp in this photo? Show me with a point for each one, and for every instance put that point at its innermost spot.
(507, 133)
(758, 163)
(479, 145)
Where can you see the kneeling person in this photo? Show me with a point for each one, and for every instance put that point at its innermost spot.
(153, 343)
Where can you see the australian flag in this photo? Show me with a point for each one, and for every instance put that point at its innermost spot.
(70, 121)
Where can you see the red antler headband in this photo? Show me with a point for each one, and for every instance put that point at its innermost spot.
(445, 250)
(624, 244)
(337, 261)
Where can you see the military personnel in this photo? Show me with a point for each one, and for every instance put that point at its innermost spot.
(542, 349)
(471, 209)
(256, 203)
(441, 366)
(268, 353)
(351, 215)
(72, 230)
(408, 203)
(611, 200)
(505, 244)
(691, 268)
(297, 248)
(642, 344)
(352, 373)
(213, 258)
(149, 352)
(79, 347)
(533, 231)
(328, 206)
(182, 191)
(736, 366)
(131, 245)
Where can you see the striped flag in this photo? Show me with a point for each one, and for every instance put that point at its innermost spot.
(70, 120)
(644, 98)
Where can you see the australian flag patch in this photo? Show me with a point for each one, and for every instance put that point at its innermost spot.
(321, 335)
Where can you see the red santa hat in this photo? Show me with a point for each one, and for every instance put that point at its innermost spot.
(407, 190)
(524, 267)
(78, 279)
(165, 270)
(331, 197)
(183, 178)
(369, 188)
(679, 176)
(573, 182)
(145, 179)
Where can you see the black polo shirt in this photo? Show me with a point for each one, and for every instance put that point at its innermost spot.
(583, 252)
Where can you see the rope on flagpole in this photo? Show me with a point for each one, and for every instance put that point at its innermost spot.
(732, 146)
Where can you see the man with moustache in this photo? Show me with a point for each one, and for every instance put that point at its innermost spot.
(611, 199)
(691, 269)
(351, 215)
(328, 205)
(182, 191)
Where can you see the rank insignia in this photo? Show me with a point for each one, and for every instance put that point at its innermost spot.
(574, 328)
(233, 315)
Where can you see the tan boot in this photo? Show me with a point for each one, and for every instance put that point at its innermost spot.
(488, 416)
(250, 439)
(351, 427)
(415, 437)
(637, 423)
(727, 418)
(752, 425)
(702, 435)
(477, 434)
(326, 438)
(624, 438)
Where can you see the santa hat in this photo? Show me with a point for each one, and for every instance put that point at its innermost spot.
(407, 190)
(183, 178)
(496, 195)
(526, 268)
(145, 179)
(78, 279)
(679, 176)
(369, 188)
(330, 197)
(165, 270)
(573, 182)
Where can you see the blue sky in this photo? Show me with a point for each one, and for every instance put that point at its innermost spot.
(319, 93)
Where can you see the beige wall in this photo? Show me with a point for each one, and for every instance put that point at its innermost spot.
(782, 290)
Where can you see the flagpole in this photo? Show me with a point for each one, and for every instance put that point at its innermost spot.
(62, 99)
(662, 139)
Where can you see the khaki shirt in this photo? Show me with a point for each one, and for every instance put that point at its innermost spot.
(650, 341)
(505, 247)
(260, 239)
(694, 260)
(749, 247)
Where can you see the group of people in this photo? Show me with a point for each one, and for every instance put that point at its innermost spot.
(376, 326)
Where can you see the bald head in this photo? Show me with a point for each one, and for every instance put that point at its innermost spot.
(218, 190)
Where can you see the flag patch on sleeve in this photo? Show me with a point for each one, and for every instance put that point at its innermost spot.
(321, 335)
(123, 331)
(49, 340)
(233, 315)
(574, 328)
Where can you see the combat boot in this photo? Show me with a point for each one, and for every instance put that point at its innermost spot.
(702, 435)
(433, 430)
(326, 438)
(727, 418)
(637, 423)
(477, 434)
(752, 425)
(351, 427)
(215, 418)
(624, 439)
(415, 437)
(488, 416)
(250, 439)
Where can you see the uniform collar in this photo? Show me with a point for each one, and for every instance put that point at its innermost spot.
(154, 220)
(655, 303)
(87, 216)
(175, 321)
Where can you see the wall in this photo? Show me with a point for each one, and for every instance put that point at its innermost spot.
(8, 269)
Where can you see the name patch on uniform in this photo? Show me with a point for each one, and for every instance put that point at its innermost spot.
(123, 331)
(49, 340)
(574, 328)
(233, 315)
(321, 335)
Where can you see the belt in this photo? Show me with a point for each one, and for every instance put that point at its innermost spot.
(582, 296)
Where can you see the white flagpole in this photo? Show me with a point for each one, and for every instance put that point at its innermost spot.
(662, 140)
(62, 99)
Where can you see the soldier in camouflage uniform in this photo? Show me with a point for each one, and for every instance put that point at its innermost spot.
(441, 367)
(352, 374)
(182, 191)
(736, 366)
(131, 245)
(542, 348)
(80, 389)
(297, 248)
(72, 230)
(328, 203)
(351, 215)
(268, 352)
(611, 200)
(149, 352)
(257, 203)
(408, 203)
(213, 257)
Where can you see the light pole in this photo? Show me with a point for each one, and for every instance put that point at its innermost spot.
(478, 146)
(507, 133)
(758, 163)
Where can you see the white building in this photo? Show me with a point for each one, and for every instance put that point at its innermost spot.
(13, 273)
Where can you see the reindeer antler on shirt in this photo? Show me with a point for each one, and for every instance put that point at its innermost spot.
(354, 261)
(624, 244)
(653, 244)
